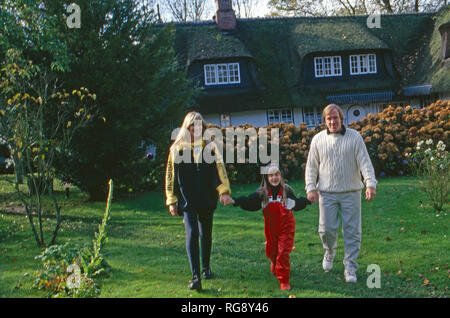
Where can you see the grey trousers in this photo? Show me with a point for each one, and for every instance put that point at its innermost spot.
(349, 205)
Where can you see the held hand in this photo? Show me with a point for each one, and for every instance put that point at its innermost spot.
(313, 196)
(225, 199)
(370, 193)
(173, 209)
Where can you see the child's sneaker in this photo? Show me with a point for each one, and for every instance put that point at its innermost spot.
(327, 263)
(285, 286)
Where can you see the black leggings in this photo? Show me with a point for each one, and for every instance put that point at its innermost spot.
(198, 225)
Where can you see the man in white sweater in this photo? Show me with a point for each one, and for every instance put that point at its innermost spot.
(337, 158)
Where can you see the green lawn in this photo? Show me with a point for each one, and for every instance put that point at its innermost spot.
(146, 248)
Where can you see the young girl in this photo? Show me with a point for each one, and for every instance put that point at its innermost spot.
(192, 189)
(277, 200)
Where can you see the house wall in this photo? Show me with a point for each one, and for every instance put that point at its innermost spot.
(444, 96)
(298, 116)
(257, 118)
(354, 112)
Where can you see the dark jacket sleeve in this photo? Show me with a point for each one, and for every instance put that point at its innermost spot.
(300, 202)
(249, 203)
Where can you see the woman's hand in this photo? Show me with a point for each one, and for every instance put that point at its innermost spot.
(225, 199)
(173, 209)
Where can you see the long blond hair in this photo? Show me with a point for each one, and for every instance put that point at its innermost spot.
(264, 188)
(184, 136)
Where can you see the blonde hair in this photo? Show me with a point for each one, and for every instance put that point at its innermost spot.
(264, 188)
(328, 110)
(184, 136)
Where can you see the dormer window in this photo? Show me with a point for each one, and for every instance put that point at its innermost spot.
(221, 74)
(363, 64)
(326, 66)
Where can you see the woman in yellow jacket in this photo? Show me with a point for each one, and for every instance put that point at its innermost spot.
(193, 186)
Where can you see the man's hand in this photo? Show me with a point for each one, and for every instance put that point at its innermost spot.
(173, 209)
(370, 193)
(313, 196)
(225, 199)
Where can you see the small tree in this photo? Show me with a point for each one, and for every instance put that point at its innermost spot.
(38, 122)
(432, 165)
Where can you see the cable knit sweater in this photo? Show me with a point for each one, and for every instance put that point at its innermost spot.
(336, 162)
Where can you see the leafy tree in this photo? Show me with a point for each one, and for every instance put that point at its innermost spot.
(187, 10)
(141, 91)
(37, 118)
(352, 7)
(244, 8)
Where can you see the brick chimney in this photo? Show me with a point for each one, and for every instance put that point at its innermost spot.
(225, 17)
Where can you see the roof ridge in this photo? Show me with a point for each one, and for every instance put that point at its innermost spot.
(187, 23)
(333, 17)
(211, 21)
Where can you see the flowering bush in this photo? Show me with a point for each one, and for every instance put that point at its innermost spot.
(394, 132)
(293, 147)
(389, 135)
(432, 164)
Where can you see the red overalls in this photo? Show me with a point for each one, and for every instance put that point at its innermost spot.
(279, 228)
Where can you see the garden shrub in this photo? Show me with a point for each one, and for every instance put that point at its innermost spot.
(389, 135)
(68, 270)
(431, 164)
(392, 133)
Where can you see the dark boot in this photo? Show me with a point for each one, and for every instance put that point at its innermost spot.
(206, 273)
(195, 283)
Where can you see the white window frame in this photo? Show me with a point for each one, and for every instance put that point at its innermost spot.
(363, 64)
(312, 116)
(327, 66)
(222, 74)
(285, 115)
(225, 120)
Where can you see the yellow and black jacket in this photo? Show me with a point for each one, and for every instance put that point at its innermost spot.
(194, 184)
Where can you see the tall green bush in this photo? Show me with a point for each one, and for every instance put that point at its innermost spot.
(141, 91)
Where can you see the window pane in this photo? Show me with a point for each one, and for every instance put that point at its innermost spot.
(222, 74)
(353, 64)
(233, 71)
(337, 65)
(280, 115)
(363, 64)
(372, 63)
(327, 63)
(318, 63)
(225, 120)
(210, 74)
(312, 116)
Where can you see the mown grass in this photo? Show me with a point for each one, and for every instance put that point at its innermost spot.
(146, 249)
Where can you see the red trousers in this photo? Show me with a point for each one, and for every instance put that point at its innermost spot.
(279, 228)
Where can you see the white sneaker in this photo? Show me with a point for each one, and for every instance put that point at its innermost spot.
(350, 276)
(327, 263)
